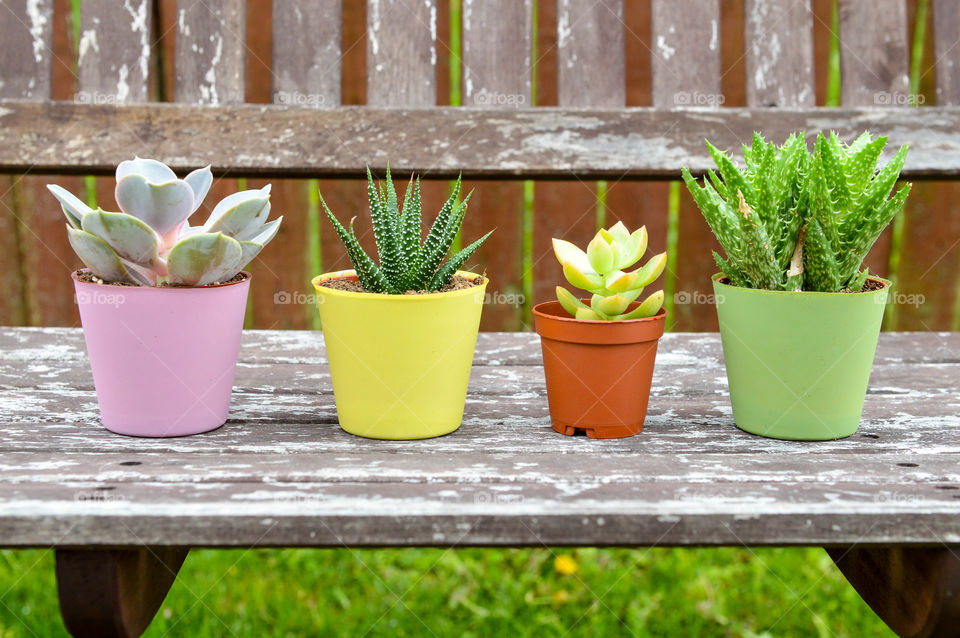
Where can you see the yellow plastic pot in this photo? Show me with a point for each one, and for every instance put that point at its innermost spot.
(400, 364)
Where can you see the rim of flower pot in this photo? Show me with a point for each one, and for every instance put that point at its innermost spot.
(351, 275)
(807, 293)
(246, 277)
(538, 310)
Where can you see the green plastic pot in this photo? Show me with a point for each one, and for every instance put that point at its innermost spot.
(798, 363)
(400, 364)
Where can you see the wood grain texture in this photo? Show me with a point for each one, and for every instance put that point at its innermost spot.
(916, 591)
(590, 50)
(307, 76)
(946, 35)
(496, 143)
(401, 52)
(210, 52)
(686, 54)
(114, 52)
(26, 34)
(114, 593)
(282, 473)
(497, 75)
(778, 38)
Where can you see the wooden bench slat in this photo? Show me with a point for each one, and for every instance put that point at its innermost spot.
(946, 34)
(874, 60)
(306, 75)
(114, 52)
(778, 37)
(686, 53)
(591, 65)
(496, 52)
(401, 53)
(544, 142)
(210, 53)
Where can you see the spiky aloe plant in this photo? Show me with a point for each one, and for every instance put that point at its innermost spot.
(150, 243)
(404, 263)
(795, 220)
(600, 272)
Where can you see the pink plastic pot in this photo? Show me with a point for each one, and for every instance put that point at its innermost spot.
(163, 359)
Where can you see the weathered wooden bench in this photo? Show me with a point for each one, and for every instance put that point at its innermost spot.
(122, 513)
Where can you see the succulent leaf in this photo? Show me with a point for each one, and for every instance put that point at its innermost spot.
(73, 208)
(600, 254)
(252, 247)
(151, 170)
(200, 182)
(584, 280)
(568, 301)
(164, 207)
(97, 255)
(647, 308)
(240, 215)
(128, 236)
(203, 259)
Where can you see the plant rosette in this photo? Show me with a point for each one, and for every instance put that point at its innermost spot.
(598, 373)
(400, 364)
(598, 353)
(163, 358)
(798, 363)
(162, 303)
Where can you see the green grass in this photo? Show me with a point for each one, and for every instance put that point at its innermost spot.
(474, 592)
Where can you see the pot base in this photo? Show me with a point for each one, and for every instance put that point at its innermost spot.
(160, 433)
(404, 434)
(789, 435)
(600, 431)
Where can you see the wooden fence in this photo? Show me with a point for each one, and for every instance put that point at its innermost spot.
(922, 252)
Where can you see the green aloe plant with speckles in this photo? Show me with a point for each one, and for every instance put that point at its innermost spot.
(405, 263)
(798, 220)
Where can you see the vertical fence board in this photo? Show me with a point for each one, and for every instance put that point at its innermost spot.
(874, 72)
(779, 53)
(583, 65)
(497, 50)
(929, 268)
(686, 58)
(210, 51)
(401, 52)
(26, 34)
(114, 51)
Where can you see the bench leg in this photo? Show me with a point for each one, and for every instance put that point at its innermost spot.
(915, 590)
(108, 593)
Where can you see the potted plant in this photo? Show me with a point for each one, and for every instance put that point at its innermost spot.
(400, 334)
(162, 302)
(598, 354)
(799, 319)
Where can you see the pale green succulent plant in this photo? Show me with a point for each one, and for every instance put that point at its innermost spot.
(795, 220)
(150, 243)
(405, 263)
(600, 271)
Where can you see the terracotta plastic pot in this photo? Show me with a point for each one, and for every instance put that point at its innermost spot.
(400, 364)
(598, 372)
(798, 363)
(163, 359)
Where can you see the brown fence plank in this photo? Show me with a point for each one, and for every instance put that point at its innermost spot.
(874, 75)
(210, 52)
(583, 65)
(26, 34)
(779, 53)
(929, 268)
(686, 72)
(497, 73)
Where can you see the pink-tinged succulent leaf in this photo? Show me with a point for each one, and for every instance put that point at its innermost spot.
(650, 270)
(585, 280)
(129, 237)
(200, 182)
(635, 247)
(164, 207)
(252, 247)
(146, 276)
(97, 255)
(74, 208)
(588, 314)
(567, 253)
(569, 301)
(241, 214)
(649, 307)
(153, 171)
(203, 259)
(600, 254)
